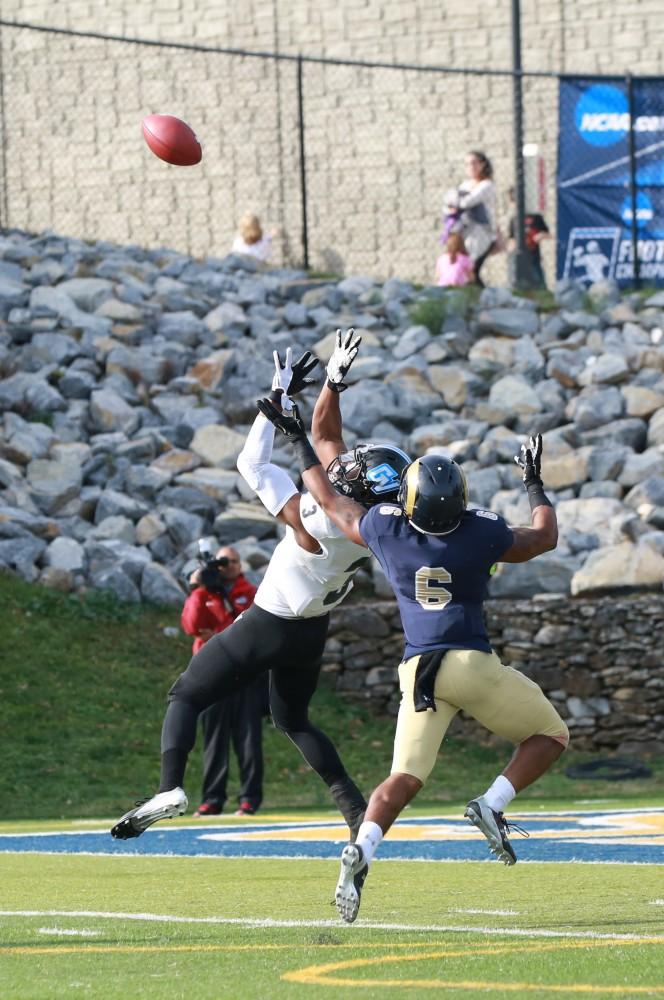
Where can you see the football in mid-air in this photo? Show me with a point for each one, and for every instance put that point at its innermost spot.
(172, 140)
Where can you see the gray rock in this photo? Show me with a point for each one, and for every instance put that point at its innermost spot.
(649, 492)
(509, 322)
(87, 293)
(182, 526)
(110, 412)
(106, 554)
(22, 553)
(606, 369)
(412, 340)
(602, 488)
(548, 574)
(65, 309)
(631, 432)
(159, 586)
(595, 407)
(113, 579)
(67, 554)
(655, 427)
(639, 467)
(241, 520)
(112, 503)
(53, 484)
(514, 394)
(607, 463)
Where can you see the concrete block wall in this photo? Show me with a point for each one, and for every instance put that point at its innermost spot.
(382, 145)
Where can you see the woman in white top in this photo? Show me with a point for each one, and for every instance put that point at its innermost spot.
(477, 201)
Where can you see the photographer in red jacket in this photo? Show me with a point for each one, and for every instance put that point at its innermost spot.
(221, 593)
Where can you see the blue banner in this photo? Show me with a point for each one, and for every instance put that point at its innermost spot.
(594, 193)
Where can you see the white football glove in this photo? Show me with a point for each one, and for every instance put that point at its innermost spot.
(346, 348)
(282, 378)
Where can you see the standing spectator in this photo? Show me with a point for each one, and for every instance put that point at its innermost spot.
(477, 201)
(222, 593)
(251, 239)
(535, 230)
(454, 266)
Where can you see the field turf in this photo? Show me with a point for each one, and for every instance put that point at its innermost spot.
(263, 928)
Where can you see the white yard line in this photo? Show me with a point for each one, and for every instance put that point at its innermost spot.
(68, 932)
(365, 924)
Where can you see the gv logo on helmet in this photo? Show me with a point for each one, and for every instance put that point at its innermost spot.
(383, 478)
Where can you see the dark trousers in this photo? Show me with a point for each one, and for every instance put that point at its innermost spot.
(479, 263)
(257, 642)
(237, 719)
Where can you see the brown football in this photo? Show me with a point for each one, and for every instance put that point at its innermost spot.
(172, 140)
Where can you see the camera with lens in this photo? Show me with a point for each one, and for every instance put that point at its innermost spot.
(209, 576)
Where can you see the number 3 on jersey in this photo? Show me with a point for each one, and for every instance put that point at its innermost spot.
(429, 589)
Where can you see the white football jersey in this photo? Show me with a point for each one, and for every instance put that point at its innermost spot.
(301, 584)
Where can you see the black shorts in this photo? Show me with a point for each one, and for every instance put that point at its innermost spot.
(290, 648)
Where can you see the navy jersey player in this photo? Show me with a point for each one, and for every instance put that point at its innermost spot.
(438, 557)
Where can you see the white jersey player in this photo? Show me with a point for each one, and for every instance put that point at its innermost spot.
(284, 630)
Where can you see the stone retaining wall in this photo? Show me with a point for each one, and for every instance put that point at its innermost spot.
(599, 661)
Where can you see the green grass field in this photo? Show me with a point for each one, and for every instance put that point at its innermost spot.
(265, 929)
(83, 685)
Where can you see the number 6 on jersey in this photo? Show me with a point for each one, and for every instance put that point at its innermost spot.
(429, 591)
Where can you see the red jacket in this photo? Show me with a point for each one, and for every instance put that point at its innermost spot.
(204, 609)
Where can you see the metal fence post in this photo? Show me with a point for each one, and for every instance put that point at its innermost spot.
(636, 276)
(303, 164)
(4, 198)
(521, 276)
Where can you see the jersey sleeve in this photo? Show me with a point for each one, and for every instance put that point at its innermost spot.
(499, 537)
(376, 522)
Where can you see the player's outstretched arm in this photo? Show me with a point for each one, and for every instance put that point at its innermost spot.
(326, 428)
(343, 511)
(542, 536)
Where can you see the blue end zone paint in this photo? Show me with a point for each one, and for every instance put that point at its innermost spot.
(632, 836)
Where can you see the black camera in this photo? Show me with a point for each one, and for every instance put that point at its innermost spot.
(209, 577)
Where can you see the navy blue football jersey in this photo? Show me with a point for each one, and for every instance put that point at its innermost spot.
(440, 581)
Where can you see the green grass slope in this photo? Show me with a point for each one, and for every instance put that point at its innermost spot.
(83, 684)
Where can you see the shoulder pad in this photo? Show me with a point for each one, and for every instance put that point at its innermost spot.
(390, 508)
(489, 514)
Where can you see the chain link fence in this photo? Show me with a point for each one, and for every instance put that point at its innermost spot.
(347, 161)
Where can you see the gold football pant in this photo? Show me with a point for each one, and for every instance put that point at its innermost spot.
(504, 700)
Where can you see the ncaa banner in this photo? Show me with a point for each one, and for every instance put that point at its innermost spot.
(594, 194)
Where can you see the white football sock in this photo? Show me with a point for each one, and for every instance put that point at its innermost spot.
(500, 794)
(369, 837)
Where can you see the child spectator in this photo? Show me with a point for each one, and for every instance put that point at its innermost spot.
(452, 221)
(251, 239)
(535, 230)
(454, 266)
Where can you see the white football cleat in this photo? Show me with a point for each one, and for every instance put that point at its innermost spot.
(354, 871)
(163, 805)
(495, 828)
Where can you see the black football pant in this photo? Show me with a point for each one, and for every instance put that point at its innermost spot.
(236, 720)
(292, 651)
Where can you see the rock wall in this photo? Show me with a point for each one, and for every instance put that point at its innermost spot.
(598, 660)
(128, 381)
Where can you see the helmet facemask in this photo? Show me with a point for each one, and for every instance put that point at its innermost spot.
(369, 474)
